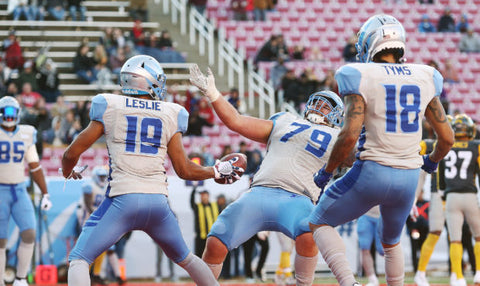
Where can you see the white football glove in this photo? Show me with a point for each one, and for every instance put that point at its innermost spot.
(45, 203)
(414, 213)
(226, 170)
(206, 84)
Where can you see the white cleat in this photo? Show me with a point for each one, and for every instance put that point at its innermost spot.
(453, 279)
(20, 282)
(460, 282)
(476, 278)
(421, 279)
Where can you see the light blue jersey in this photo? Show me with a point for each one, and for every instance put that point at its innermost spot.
(388, 161)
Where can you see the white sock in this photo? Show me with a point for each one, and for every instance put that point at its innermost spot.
(367, 262)
(3, 263)
(115, 263)
(24, 258)
(216, 269)
(333, 250)
(394, 265)
(305, 269)
(198, 271)
(78, 273)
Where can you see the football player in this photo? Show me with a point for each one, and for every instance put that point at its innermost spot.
(282, 193)
(457, 177)
(436, 217)
(140, 130)
(93, 194)
(368, 232)
(385, 103)
(17, 145)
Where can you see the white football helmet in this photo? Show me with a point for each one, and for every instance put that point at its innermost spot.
(9, 111)
(378, 33)
(314, 113)
(143, 75)
(99, 176)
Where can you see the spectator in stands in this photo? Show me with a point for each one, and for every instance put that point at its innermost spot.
(316, 55)
(425, 25)
(308, 84)
(281, 49)
(116, 61)
(446, 23)
(298, 53)
(12, 51)
(462, 25)
(205, 110)
(277, 72)
(55, 135)
(227, 149)
(329, 82)
(48, 81)
(139, 10)
(82, 110)
(28, 75)
(119, 40)
(104, 75)
(234, 98)
(268, 52)
(199, 5)
(260, 8)
(37, 10)
(239, 8)
(59, 108)
(12, 90)
(349, 51)
(207, 156)
(130, 50)
(470, 42)
(28, 97)
(137, 34)
(75, 6)
(75, 128)
(426, 1)
(449, 72)
(84, 65)
(3, 82)
(22, 9)
(196, 122)
(165, 41)
(291, 86)
(40, 118)
(107, 40)
(56, 9)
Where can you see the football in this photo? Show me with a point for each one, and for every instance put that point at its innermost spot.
(240, 161)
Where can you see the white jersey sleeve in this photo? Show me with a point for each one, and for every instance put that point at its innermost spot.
(396, 97)
(137, 133)
(13, 146)
(296, 150)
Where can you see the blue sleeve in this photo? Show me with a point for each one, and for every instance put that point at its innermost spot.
(99, 105)
(276, 116)
(86, 188)
(34, 136)
(182, 120)
(348, 80)
(438, 82)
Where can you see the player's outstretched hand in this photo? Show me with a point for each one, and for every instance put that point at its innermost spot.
(45, 202)
(206, 84)
(76, 173)
(428, 165)
(321, 179)
(227, 170)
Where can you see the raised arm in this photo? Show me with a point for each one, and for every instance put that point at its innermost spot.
(253, 128)
(435, 115)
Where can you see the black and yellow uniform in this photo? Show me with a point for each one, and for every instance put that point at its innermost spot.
(205, 216)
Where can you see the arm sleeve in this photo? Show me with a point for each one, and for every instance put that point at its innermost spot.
(31, 154)
(99, 105)
(182, 120)
(348, 80)
(87, 189)
(438, 82)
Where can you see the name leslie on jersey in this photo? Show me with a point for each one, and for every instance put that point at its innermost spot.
(142, 104)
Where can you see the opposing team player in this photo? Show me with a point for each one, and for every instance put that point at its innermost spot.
(282, 192)
(457, 177)
(140, 130)
(17, 145)
(385, 103)
(436, 217)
